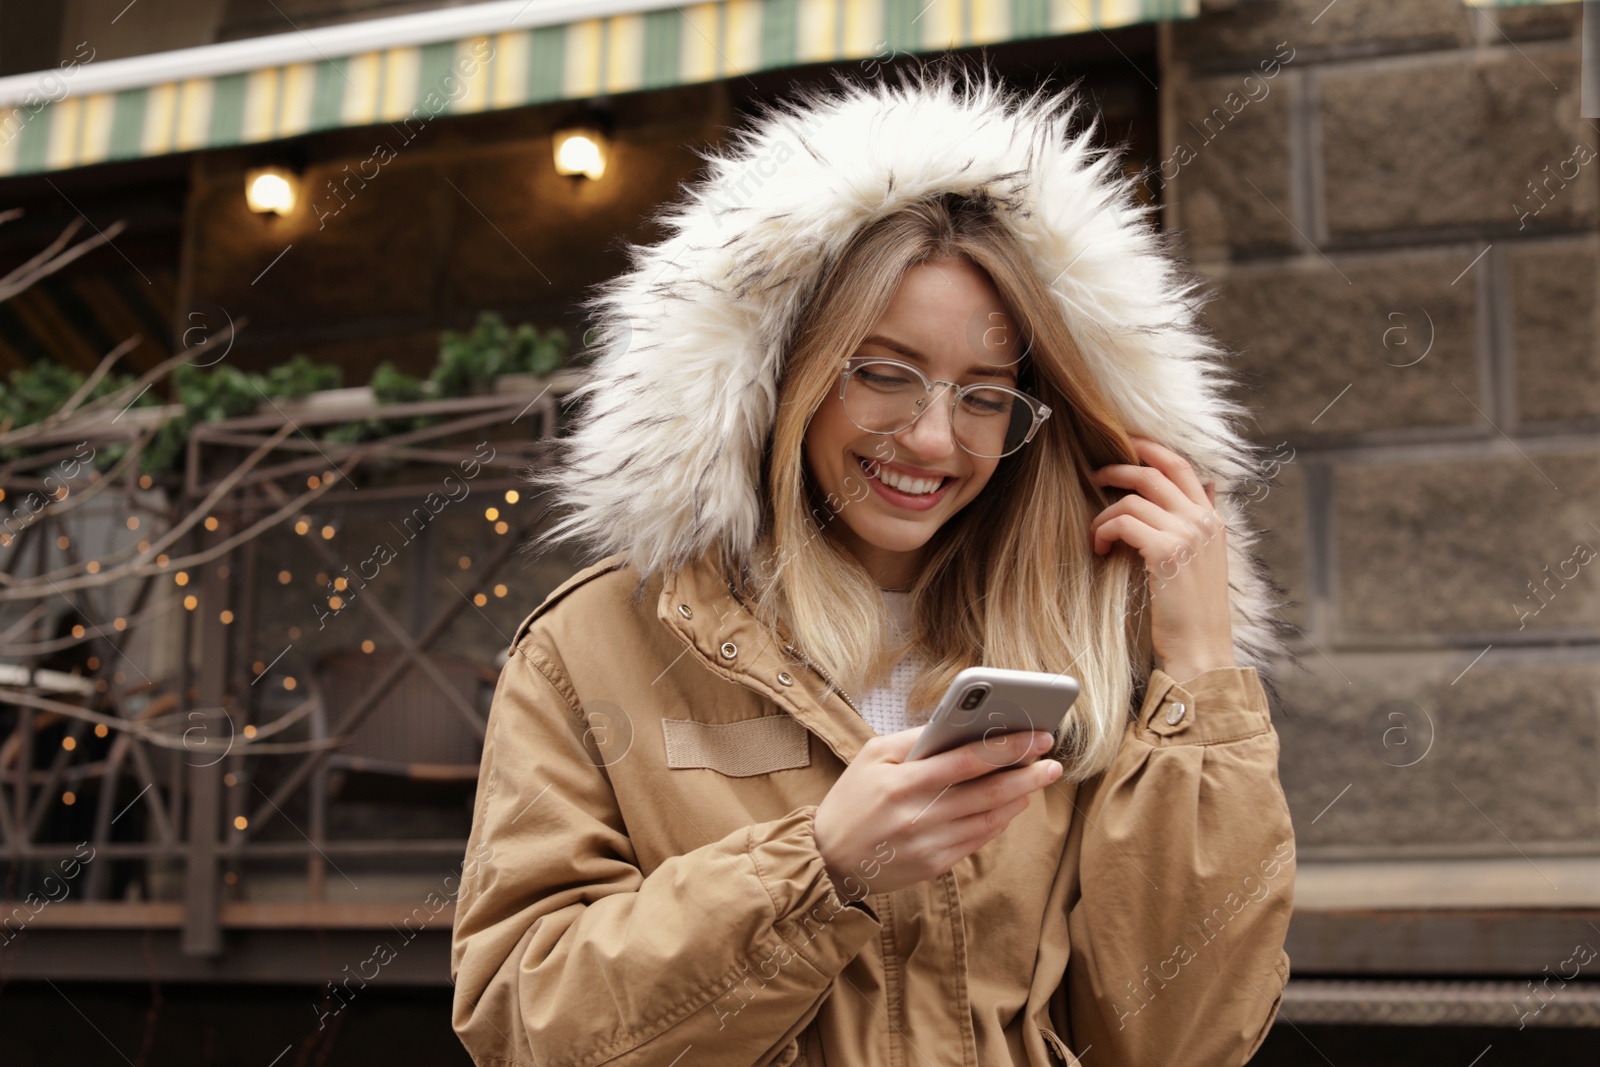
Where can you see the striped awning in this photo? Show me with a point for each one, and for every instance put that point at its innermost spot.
(483, 57)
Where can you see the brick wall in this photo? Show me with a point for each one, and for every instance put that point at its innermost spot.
(1401, 226)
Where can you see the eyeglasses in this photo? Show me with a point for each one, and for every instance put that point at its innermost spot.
(886, 395)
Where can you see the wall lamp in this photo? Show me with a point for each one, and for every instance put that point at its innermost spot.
(583, 145)
(271, 190)
(581, 151)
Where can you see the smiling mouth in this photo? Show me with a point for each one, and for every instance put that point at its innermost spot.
(915, 486)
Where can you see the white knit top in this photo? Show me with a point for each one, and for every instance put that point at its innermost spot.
(885, 707)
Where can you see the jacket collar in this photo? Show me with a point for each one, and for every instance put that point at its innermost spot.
(697, 603)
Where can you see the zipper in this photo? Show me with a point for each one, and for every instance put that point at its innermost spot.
(789, 648)
(825, 676)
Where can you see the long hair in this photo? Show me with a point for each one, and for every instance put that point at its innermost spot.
(1012, 579)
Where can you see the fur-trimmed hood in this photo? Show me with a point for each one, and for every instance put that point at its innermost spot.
(663, 459)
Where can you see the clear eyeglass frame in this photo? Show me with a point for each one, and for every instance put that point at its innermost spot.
(1040, 410)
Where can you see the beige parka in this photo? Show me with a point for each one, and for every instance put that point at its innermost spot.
(644, 886)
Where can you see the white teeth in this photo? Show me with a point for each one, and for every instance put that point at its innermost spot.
(909, 486)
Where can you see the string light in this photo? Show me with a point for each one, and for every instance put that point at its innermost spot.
(69, 798)
(230, 780)
(284, 577)
(301, 527)
(120, 624)
(491, 514)
(512, 496)
(182, 577)
(94, 663)
(289, 683)
(367, 646)
(101, 729)
(327, 533)
(211, 522)
(191, 602)
(240, 822)
(500, 590)
(162, 560)
(313, 482)
(144, 546)
(78, 631)
(62, 542)
(93, 566)
(335, 603)
(464, 562)
(250, 731)
(226, 617)
(479, 599)
(145, 481)
(133, 522)
(69, 743)
(500, 527)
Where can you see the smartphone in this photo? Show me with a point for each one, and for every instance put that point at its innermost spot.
(988, 702)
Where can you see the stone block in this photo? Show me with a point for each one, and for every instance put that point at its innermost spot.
(1393, 329)
(1507, 757)
(1469, 546)
(1555, 302)
(1460, 143)
(1534, 22)
(1232, 133)
(1251, 29)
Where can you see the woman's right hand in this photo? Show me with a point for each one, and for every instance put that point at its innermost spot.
(886, 823)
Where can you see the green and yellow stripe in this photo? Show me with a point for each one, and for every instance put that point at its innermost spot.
(692, 43)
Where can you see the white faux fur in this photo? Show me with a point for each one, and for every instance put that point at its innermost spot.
(664, 457)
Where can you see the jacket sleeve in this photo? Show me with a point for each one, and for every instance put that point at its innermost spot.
(1186, 881)
(564, 954)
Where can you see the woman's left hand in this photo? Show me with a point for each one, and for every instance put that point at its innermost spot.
(1172, 520)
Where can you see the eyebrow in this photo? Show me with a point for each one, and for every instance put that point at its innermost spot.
(986, 370)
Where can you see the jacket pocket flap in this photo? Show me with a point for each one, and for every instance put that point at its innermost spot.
(738, 749)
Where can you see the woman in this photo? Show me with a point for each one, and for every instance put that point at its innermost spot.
(696, 838)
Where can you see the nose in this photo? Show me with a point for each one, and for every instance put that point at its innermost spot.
(932, 435)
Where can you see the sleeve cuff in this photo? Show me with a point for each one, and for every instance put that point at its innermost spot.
(1218, 705)
(811, 914)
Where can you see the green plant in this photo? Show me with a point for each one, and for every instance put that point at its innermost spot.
(470, 362)
(389, 385)
(35, 393)
(467, 363)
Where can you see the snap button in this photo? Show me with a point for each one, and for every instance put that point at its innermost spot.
(729, 650)
(1175, 713)
(785, 677)
(685, 611)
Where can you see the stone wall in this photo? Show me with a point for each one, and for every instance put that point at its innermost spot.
(1398, 205)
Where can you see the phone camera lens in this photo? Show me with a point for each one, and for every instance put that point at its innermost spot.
(973, 697)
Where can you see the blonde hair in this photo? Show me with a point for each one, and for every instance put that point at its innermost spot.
(1012, 579)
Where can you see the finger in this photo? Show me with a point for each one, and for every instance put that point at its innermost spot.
(1143, 509)
(976, 758)
(893, 748)
(1194, 528)
(1151, 543)
(1173, 465)
(989, 793)
(1148, 482)
(970, 833)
